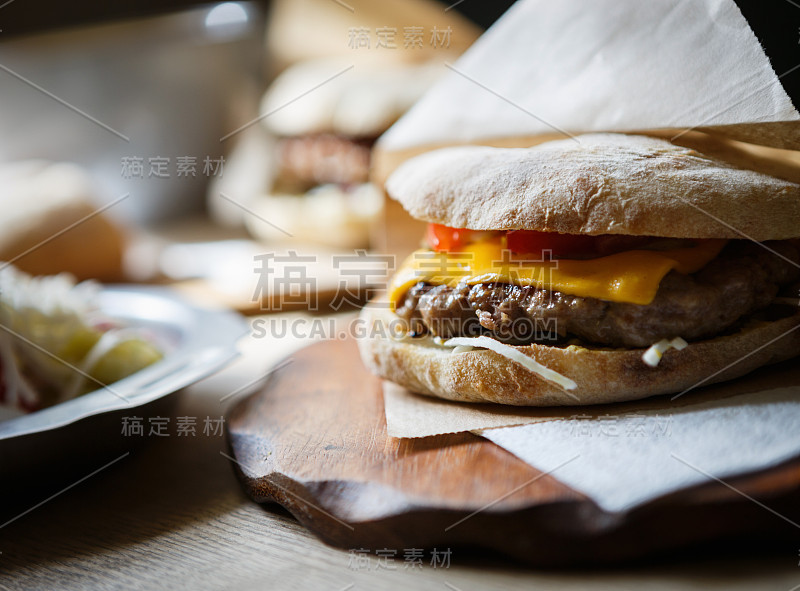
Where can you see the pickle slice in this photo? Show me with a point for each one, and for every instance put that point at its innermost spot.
(124, 359)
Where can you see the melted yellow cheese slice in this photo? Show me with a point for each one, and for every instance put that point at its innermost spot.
(631, 276)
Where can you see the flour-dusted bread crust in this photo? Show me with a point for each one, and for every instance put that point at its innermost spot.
(597, 184)
(602, 375)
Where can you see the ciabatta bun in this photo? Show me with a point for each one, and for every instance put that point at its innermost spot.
(602, 375)
(597, 184)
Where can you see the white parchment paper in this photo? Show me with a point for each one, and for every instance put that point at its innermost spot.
(601, 65)
(413, 415)
(623, 461)
(623, 455)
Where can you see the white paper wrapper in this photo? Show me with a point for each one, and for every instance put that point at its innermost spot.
(606, 65)
(414, 415)
(623, 461)
(624, 452)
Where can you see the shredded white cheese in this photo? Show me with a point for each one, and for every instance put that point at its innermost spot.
(653, 355)
(462, 349)
(516, 356)
(46, 311)
(51, 295)
(18, 392)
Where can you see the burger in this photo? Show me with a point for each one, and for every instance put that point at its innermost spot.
(319, 190)
(594, 269)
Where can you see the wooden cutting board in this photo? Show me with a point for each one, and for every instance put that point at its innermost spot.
(314, 440)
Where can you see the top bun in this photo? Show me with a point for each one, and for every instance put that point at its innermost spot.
(355, 98)
(597, 184)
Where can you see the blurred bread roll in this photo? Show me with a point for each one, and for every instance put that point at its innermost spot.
(48, 223)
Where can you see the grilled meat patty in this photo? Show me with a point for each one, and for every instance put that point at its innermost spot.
(744, 278)
(323, 158)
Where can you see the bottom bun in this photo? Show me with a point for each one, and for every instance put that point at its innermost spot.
(602, 375)
(325, 215)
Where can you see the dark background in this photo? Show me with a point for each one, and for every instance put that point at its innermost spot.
(28, 16)
(776, 23)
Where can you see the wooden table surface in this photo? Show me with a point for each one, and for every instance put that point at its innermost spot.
(171, 515)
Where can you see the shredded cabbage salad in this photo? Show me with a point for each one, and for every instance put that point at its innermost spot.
(55, 344)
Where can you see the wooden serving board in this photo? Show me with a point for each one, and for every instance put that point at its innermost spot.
(314, 440)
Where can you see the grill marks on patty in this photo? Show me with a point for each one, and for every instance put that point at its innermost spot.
(743, 279)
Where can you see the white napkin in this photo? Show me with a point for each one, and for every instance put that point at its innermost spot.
(626, 460)
(602, 65)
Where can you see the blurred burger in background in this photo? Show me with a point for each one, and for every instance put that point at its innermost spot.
(320, 190)
(301, 170)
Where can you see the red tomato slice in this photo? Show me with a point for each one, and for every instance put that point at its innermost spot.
(529, 242)
(446, 239)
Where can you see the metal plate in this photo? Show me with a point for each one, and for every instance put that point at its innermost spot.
(196, 342)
